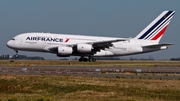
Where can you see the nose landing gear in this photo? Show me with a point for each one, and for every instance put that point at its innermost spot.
(16, 55)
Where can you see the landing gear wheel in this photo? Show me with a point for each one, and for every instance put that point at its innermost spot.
(85, 59)
(90, 59)
(16, 55)
(80, 59)
(93, 59)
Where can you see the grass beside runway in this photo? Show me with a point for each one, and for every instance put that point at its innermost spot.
(123, 63)
(76, 88)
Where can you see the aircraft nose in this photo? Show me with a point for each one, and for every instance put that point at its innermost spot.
(9, 44)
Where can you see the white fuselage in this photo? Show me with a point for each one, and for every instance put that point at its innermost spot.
(41, 42)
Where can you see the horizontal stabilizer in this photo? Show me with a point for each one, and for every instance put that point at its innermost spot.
(157, 45)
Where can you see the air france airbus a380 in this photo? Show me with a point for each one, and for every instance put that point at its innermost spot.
(89, 47)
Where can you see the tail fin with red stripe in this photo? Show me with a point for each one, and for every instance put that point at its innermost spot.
(155, 30)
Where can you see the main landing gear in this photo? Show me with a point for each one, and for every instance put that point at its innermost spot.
(90, 59)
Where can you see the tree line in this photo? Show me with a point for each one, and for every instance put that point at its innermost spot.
(21, 57)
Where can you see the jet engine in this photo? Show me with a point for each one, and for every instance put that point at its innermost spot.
(65, 50)
(84, 48)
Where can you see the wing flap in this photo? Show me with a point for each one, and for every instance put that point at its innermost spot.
(104, 44)
(107, 42)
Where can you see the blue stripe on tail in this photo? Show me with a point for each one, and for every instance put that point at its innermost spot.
(155, 25)
(159, 26)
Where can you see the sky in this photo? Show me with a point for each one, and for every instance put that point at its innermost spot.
(116, 18)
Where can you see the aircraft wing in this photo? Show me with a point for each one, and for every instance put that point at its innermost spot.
(104, 44)
(109, 41)
(157, 45)
(97, 46)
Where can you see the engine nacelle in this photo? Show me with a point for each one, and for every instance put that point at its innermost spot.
(65, 50)
(84, 48)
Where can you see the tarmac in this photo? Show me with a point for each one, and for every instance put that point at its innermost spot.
(98, 71)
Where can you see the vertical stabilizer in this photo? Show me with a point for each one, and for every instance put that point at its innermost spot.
(155, 30)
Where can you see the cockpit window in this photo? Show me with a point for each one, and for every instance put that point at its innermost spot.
(12, 39)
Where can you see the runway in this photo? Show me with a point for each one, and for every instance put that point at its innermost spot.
(99, 71)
